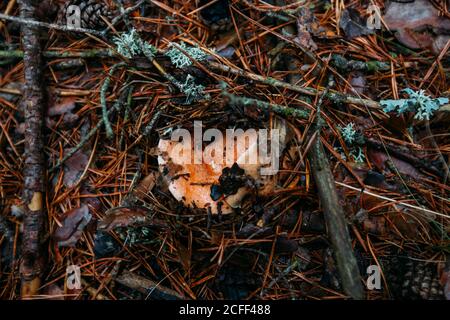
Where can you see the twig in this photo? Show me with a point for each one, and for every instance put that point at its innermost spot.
(123, 15)
(332, 95)
(28, 21)
(8, 10)
(94, 53)
(279, 109)
(103, 90)
(149, 128)
(395, 202)
(407, 155)
(31, 267)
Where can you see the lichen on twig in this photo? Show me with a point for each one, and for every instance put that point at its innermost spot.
(279, 109)
(182, 58)
(418, 102)
(130, 44)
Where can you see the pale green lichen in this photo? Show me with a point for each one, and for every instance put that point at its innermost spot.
(418, 102)
(348, 133)
(193, 91)
(358, 155)
(352, 139)
(182, 59)
(130, 44)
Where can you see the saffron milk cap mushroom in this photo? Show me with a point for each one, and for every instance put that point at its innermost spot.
(191, 171)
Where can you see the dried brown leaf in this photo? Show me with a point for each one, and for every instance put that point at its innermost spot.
(73, 224)
(74, 167)
(418, 24)
(129, 217)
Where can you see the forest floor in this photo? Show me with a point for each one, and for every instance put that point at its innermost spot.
(91, 92)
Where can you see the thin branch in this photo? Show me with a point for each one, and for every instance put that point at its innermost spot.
(31, 22)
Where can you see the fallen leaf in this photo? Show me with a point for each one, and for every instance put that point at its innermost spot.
(375, 225)
(64, 106)
(128, 217)
(305, 19)
(73, 224)
(74, 167)
(358, 83)
(375, 179)
(418, 24)
(146, 185)
(353, 24)
(379, 159)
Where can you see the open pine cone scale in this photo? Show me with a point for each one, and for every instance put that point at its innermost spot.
(91, 13)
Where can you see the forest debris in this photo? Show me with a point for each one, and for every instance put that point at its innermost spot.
(358, 83)
(305, 20)
(404, 223)
(335, 221)
(73, 224)
(382, 162)
(378, 180)
(129, 217)
(353, 24)
(64, 107)
(418, 24)
(217, 15)
(143, 188)
(286, 84)
(148, 287)
(6, 244)
(445, 279)
(141, 191)
(334, 217)
(53, 292)
(74, 167)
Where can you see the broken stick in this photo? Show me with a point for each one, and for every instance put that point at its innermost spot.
(334, 215)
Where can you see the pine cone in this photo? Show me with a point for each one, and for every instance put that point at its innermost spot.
(421, 282)
(413, 280)
(408, 279)
(91, 13)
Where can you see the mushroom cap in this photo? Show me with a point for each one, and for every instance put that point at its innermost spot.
(191, 183)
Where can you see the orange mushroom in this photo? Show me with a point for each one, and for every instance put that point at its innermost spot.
(191, 182)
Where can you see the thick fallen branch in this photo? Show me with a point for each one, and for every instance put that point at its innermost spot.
(335, 220)
(31, 266)
(334, 215)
